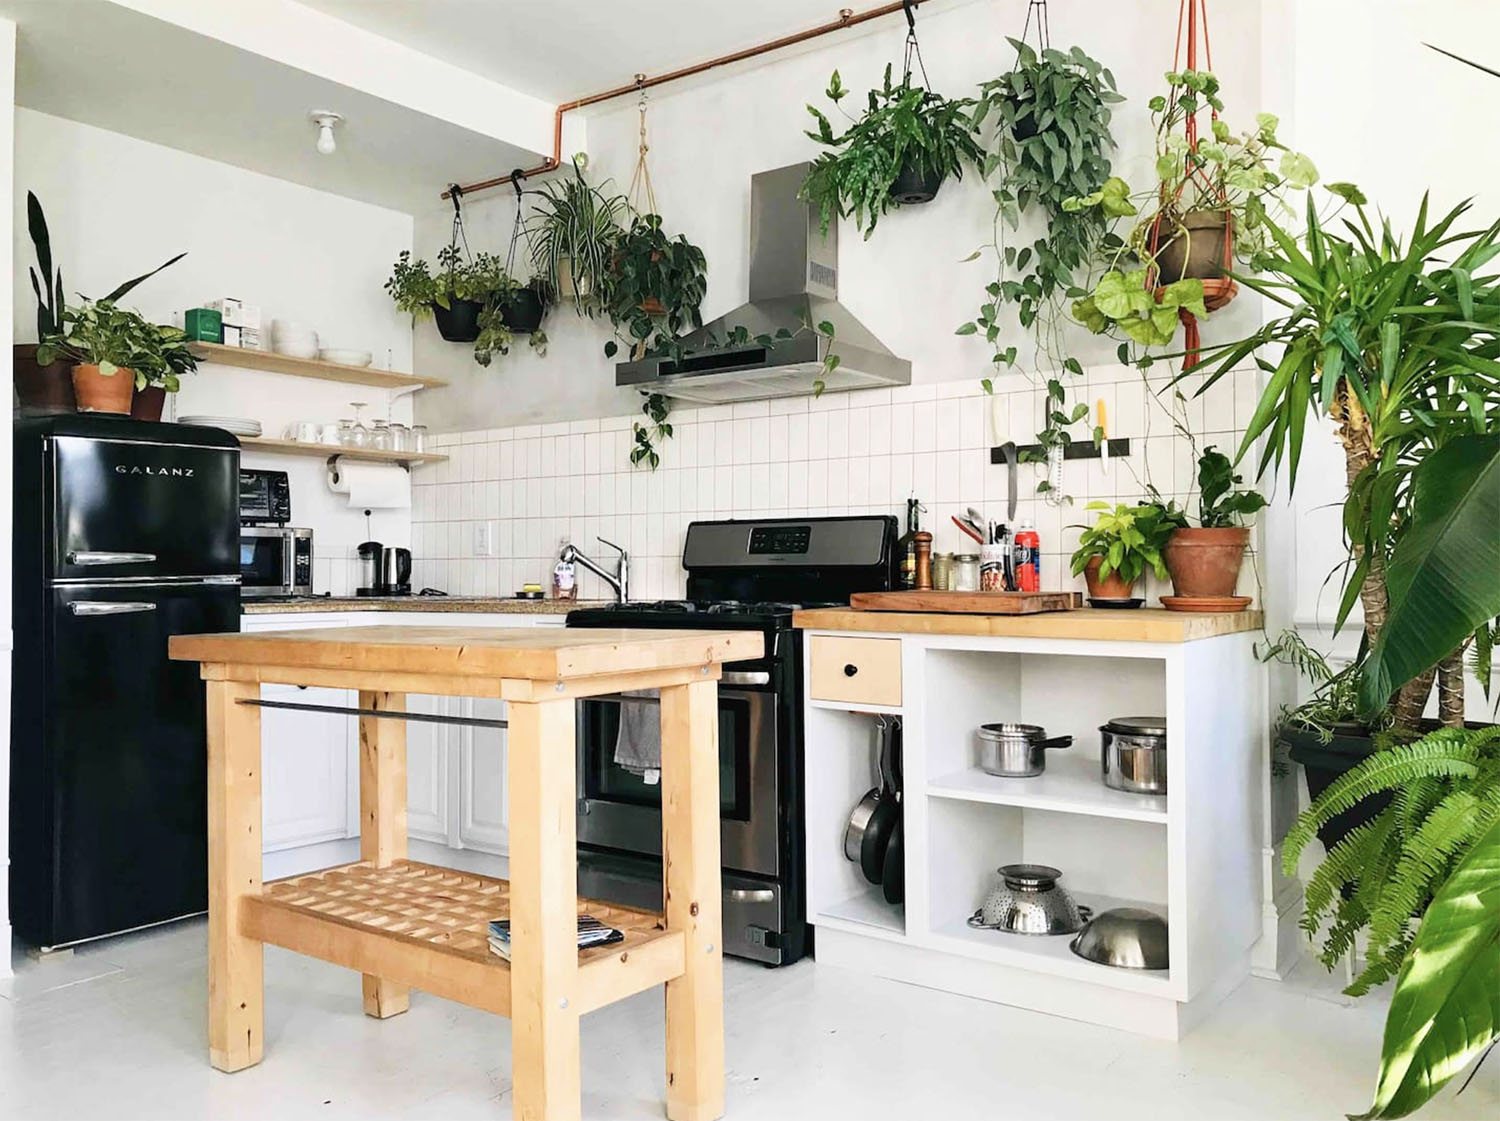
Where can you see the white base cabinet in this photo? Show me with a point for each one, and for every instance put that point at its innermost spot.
(310, 776)
(1191, 855)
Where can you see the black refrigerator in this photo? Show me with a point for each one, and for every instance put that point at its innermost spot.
(126, 533)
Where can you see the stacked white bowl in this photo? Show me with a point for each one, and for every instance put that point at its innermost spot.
(296, 340)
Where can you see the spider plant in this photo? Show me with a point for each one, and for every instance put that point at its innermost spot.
(573, 232)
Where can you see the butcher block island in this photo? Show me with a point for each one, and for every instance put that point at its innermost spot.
(405, 925)
(1190, 851)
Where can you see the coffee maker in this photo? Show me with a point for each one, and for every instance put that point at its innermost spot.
(383, 570)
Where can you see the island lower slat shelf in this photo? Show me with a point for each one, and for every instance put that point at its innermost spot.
(426, 927)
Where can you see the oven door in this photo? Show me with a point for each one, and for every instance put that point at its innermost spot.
(265, 561)
(619, 809)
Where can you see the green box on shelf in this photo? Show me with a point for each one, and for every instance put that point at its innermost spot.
(203, 325)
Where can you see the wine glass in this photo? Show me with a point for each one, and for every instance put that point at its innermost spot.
(359, 435)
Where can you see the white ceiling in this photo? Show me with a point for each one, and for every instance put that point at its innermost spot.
(108, 66)
(565, 49)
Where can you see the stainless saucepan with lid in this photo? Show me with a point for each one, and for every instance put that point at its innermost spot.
(1016, 750)
(1133, 754)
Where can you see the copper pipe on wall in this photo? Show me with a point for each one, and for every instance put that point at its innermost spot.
(847, 18)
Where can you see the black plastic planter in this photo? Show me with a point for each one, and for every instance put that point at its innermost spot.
(1024, 126)
(914, 185)
(459, 321)
(524, 311)
(1322, 763)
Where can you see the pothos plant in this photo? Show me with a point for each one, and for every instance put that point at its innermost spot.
(1045, 126)
(1208, 207)
(655, 287)
(96, 332)
(904, 127)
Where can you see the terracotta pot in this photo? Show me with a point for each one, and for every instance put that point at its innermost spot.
(1113, 588)
(1197, 249)
(98, 392)
(1206, 562)
(42, 390)
(147, 403)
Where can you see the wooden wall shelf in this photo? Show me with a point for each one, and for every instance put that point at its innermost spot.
(251, 359)
(327, 451)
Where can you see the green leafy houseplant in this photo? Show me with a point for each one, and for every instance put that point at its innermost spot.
(1045, 129)
(906, 130)
(97, 333)
(655, 286)
(573, 231)
(1125, 541)
(1444, 792)
(1209, 205)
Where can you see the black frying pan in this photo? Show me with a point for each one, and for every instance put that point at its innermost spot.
(893, 878)
(887, 814)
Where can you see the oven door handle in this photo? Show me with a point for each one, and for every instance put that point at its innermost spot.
(745, 677)
(749, 895)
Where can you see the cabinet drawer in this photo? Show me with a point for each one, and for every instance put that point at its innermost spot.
(858, 670)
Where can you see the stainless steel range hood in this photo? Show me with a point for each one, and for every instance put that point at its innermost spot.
(793, 282)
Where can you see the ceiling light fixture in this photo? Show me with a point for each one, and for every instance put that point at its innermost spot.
(325, 119)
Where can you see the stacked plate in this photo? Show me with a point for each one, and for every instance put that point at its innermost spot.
(234, 425)
(296, 340)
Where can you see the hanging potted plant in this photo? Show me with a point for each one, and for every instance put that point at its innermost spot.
(1116, 551)
(1204, 561)
(43, 388)
(573, 230)
(455, 297)
(114, 351)
(898, 153)
(524, 305)
(656, 286)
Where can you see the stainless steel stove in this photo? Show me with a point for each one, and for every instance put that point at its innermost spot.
(740, 575)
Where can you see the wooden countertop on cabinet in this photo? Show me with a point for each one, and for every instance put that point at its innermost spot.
(1146, 624)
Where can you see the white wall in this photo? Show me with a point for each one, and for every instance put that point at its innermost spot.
(117, 206)
(905, 283)
(7, 150)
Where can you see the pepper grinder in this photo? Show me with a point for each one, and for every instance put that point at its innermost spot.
(923, 542)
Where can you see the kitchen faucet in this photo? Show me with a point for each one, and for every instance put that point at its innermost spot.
(620, 581)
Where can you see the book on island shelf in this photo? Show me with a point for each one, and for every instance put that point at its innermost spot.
(591, 932)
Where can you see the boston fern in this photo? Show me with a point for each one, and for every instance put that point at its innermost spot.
(1444, 794)
(904, 125)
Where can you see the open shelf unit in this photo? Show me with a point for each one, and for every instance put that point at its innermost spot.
(328, 451)
(1191, 856)
(252, 359)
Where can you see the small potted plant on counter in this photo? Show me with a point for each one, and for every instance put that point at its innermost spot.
(114, 352)
(898, 153)
(1204, 561)
(1115, 552)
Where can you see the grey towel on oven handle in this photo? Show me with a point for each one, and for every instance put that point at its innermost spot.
(638, 745)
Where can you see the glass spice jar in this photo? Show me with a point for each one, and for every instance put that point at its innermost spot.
(942, 572)
(966, 572)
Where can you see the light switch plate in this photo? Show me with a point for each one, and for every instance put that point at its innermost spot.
(484, 539)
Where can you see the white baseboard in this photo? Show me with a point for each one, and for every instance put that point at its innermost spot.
(9, 949)
(1282, 942)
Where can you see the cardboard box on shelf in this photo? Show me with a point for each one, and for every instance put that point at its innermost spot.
(232, 335)
(236, 312)
(203, 325)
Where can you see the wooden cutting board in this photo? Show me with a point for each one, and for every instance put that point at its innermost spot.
(967, 603)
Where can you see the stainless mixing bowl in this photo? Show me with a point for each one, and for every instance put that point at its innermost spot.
(1125, 937)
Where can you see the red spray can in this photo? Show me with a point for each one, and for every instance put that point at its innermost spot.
(1028, 558)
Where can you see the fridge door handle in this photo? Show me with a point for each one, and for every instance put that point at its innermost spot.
(88, 557)
(105, 607)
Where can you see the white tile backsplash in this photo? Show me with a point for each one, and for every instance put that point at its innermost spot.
(861, 452)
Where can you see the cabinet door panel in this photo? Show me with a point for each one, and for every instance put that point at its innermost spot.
(305, 768)
(427, 750)
(483, 824)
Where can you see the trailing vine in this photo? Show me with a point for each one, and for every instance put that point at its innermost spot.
(657, 408)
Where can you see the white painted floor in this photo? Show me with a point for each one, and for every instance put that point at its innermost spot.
(116, 1031)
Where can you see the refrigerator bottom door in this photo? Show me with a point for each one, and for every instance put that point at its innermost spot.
(129, 755)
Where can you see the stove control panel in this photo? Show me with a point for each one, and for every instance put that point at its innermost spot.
(782, 539)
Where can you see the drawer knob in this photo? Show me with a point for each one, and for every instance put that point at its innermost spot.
(850, 670)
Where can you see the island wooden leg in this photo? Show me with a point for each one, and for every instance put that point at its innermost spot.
(382, 818)
(690, 844)
(543, 911)
(236, 1021)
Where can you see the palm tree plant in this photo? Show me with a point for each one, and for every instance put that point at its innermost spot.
(1398, 341)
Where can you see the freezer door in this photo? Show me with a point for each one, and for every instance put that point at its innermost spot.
(128, 755)
(131, 508)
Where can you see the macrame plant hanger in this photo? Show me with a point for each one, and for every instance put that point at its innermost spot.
(1192, 18)
(641, 191)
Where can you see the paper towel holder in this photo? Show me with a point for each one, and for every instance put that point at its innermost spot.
(333, 466)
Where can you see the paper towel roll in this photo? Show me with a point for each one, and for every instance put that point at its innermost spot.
(381, 486)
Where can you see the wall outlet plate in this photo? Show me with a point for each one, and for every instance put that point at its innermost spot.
(484, 539)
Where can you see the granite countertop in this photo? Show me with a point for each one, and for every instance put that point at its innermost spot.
(476, 604)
